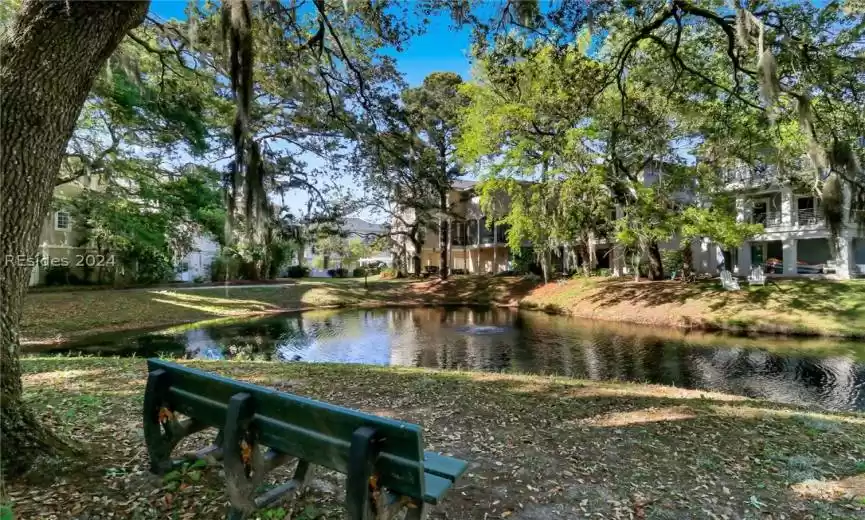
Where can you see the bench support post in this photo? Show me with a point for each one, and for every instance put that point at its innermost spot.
(362, 455)
(245, 466)
(417, 512)
(162, 430)
(239, 443)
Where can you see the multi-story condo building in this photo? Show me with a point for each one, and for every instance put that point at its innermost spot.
(61, 244)
(796, 240)
(473, 247)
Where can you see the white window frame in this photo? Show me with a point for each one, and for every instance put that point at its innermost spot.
(57, 221)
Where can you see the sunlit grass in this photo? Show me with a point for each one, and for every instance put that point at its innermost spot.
(58, 317)
(782, 306)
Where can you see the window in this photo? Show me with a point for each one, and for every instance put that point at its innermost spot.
(807, 210)
(61, 220)
(759, 211)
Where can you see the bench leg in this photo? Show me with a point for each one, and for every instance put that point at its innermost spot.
(245, 466)
(162, 430)
(302, 477)
(362, 454)
(238, 454)
(418, 512)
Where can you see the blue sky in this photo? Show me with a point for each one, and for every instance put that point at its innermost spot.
(440, 48)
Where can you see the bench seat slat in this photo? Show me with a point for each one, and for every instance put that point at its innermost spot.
(444, 466)
(435, 488)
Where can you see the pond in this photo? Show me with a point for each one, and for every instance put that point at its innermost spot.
(827, 374)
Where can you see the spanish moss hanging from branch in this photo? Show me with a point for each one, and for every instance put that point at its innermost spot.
(247, 171)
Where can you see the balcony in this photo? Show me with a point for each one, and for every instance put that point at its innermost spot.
(743, 176)
(768, 219)
(808, 217)
(459, 241)
(486, 235)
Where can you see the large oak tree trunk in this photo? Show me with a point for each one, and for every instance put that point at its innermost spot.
(48, 60)
(656, 267)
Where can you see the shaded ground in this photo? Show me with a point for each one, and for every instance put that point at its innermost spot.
(60, 316)
(787, 306)
(540, 448)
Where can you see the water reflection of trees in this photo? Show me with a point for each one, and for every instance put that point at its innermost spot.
(503, 339)
(600, 353)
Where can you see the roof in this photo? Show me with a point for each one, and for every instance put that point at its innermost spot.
(460, 184)
(359, 224)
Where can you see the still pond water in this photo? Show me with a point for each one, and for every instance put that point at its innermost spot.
(827, 374)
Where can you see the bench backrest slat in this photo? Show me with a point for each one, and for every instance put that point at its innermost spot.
(314, 431)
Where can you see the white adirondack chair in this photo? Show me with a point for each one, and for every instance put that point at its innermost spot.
(757, 276)
(728, 282)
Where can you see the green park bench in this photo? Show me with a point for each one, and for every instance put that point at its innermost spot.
(260, 429)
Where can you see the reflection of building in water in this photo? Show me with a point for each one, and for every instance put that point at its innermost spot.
(407, 347)
(452, 338)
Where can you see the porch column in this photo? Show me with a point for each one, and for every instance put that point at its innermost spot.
(450, 246)
(466, 257)
(844, 260)
(706, 259)
(745, 259)
(495, 249)
(787, 218)
(790, 256)
(478, 266)
(742, 213)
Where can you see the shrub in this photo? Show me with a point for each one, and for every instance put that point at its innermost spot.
(222, 266)
(297, 271)
(339, 272)
(151, 266)
(61, 275)
(198, 279)
(672, 260)
(359, 272)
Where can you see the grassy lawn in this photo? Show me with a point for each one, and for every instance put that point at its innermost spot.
(540, 448)
(788, 306)
(784, 306)
(60, 316)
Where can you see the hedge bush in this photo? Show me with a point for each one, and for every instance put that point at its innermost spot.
(297, 271)
(339, 272)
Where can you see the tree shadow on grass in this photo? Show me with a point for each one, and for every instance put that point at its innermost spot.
(832, 300)
(613, 292)
(535, 443)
